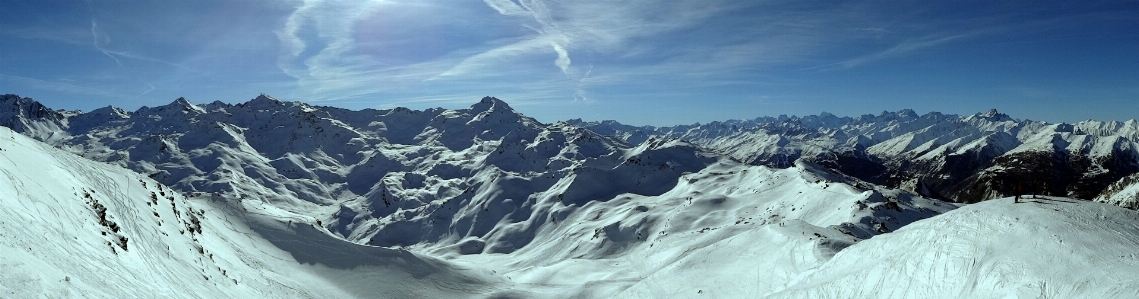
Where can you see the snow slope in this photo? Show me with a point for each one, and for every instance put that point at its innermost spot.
(70, 227)
(1051, 247)
(381, 177)
(725, 224)
(77, 228)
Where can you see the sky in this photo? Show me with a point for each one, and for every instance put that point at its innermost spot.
(641, 62)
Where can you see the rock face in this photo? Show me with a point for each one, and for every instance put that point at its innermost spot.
(29, 117)
(959, 158)
(1124, 193)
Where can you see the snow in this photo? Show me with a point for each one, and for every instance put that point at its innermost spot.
(1124, 193)
(284, 199)
(150, 241)
(252, 247)
(1050, 247)
(715, 226)
(959, 158)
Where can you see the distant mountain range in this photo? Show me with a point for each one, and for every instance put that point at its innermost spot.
(376, 162)
(958, 158)
(569, 202)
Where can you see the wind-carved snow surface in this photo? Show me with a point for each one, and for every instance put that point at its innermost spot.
(285, 199)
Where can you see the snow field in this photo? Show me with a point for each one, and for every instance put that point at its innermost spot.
(70, 227)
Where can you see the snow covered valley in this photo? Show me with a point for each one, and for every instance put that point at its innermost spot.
(282, 199)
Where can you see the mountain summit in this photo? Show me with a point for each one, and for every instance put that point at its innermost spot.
(992, 115)
(490, 104)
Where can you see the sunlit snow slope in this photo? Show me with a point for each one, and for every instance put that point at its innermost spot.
(70, 227)
(1051, 247)
(730, 230)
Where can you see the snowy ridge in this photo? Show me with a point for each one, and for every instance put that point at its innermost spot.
(373, 176)
(70, 227)
(1124, 193)
(30, 117)
(659, 246)
(238, 244)
(1045, 248)
(960, 158)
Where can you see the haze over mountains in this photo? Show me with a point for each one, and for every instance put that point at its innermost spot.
(597, 209)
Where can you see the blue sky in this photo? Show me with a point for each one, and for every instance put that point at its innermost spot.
(640, 62)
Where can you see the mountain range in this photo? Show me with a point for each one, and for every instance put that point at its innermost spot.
(957, 158)
(592, 209)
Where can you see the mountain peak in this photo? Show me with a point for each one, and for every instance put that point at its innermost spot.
(900, 114)
(490, 104)
(992, 115)
(263, 101)
(184, 105)
(17, 106)
(265, 97)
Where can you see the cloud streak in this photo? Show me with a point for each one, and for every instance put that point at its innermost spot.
(320, 45)
(98, 38)
(58, 86)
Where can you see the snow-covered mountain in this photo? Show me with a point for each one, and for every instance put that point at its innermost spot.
(393, 177)
(1124, 193)
(961, 158)
(75, 228)
(287, 199)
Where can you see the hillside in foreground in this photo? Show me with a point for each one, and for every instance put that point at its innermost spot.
(74, 228)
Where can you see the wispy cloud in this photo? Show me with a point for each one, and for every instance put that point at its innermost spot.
(79, 37)
(579, 51)
(99, 38)
(320, 45)
(590, 28)
(332, 24)
(902, 48)
(150, 87)
(62, 86)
